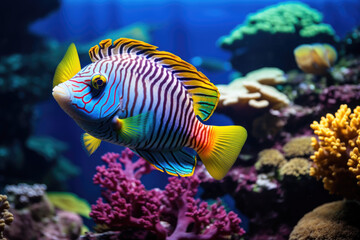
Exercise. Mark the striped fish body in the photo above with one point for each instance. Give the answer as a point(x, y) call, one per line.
point(135, 96)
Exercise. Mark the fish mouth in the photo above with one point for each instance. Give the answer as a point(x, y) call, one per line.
point(62, 95)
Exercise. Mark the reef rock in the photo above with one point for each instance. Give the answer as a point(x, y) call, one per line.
point(337, 220)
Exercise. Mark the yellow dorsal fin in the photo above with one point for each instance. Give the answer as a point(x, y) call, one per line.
point(90, 143)
point(68, 67)
point(204, 94)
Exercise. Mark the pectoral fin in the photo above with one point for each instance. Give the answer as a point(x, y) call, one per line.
point(90, 143)
point(134, 128)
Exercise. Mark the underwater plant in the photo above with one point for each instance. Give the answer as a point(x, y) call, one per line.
point(128, 209)
point(284, 26)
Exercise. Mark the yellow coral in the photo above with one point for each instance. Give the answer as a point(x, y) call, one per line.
point(270, 158)
point(6, 217)
point(296, 167)
point(298, 147)
point(69, 202)
point(337, 158)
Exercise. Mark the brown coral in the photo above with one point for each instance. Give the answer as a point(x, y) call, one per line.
point(298, 147)
point(337, 220)
point(296, 167)
point(6, 217)
point(337, 155)
point(269, 159)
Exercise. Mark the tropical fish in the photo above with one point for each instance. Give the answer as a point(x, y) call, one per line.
point(315, 58)
point(148, 100)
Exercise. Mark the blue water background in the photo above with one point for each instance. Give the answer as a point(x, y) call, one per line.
point(186, 28)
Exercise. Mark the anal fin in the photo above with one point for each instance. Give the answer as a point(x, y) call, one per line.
point(176, 163)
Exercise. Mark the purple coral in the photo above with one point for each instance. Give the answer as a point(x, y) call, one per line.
point(127, 204)
point(171, 214)
point(195, 220)
point(333, 96)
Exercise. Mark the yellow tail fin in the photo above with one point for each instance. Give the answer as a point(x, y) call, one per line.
point(222, 150)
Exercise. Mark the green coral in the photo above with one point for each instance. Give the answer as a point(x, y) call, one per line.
point(313, 30)
point(284, 26)
point(69, 202)
point(282, 18)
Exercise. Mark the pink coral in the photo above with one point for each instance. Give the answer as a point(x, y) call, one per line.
point(171, 214)
point(195, 219)
point(127, 204)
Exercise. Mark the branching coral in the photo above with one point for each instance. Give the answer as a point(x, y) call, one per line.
point(337, 154)
point(284, 26)
point(298, 147)
point(6, 217)
point(171, 214)
point(127, 204)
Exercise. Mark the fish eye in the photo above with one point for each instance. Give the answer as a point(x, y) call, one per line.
point(98, 81)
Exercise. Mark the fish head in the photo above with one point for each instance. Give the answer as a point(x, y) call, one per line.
point(89, 97)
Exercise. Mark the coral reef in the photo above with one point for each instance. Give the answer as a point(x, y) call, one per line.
point(284, 26)
point(337, 155)
point(172, 213)
point(332, 97)
point(36, 218)
point(23, 195)
point(298, 147)
point(254, 94)
point(282, 180)
point(315, 58)
point(336, 220)
point(255, 90)
point(269, 159)
point(296, 167)
point(6, 217)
